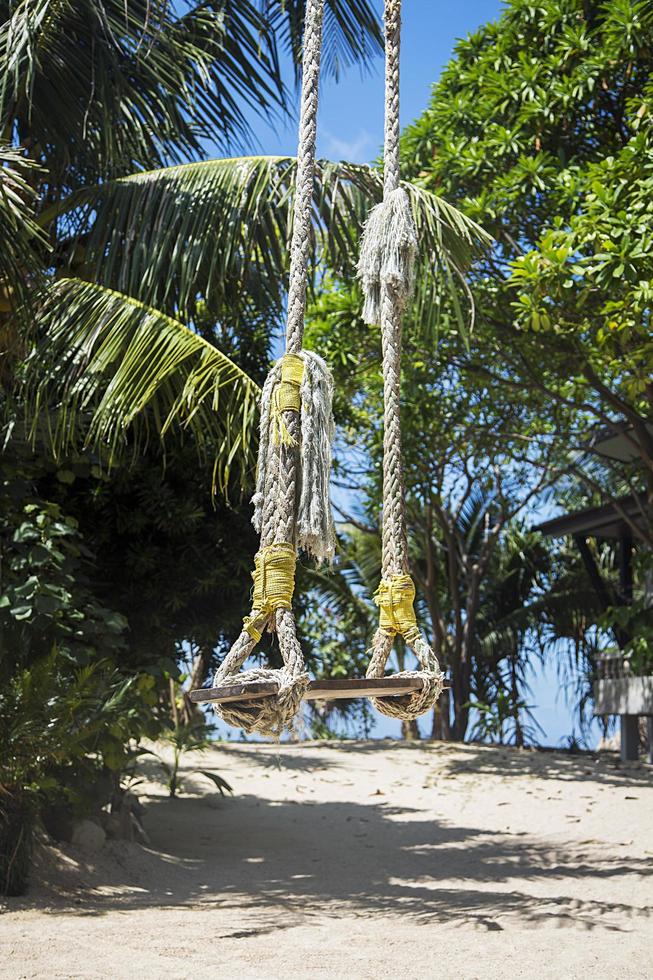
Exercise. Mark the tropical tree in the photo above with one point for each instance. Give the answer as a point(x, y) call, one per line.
point(138, 255)
point(92, 92)
point(540, 128)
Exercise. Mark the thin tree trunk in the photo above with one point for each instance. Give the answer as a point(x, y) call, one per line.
point(192, 712)
point(410, 730)
point(441, 728)
point(514, 693)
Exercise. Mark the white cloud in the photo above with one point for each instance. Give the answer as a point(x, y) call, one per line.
point(359, 149)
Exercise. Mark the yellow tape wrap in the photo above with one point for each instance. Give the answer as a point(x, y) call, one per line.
point(286, 397)
point(274, 585)
point(395, 597)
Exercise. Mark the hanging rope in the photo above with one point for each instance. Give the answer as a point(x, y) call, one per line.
point(386, 269)
point(291, 503)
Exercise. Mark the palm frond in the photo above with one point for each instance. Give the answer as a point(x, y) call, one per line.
point(117, 371)
point(337, 597)
point(218, 229)
point(113, 84)
point(21, 240)
point(352, 32)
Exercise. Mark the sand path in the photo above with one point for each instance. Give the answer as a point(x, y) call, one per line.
point(359, 860)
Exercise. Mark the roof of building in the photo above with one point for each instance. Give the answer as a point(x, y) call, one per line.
point(606, 521)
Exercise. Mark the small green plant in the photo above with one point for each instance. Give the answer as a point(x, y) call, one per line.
point(186, 736)
point(499, 721)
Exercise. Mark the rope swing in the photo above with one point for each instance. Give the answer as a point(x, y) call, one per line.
point(292, 509)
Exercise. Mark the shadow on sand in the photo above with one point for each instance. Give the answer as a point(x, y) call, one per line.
point(604, 768)
point(282, 863)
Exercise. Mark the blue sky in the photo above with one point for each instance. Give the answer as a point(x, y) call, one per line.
point(351, 111)
point(351, 128)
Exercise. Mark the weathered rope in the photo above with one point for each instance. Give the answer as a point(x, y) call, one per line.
point(300, 383)
point(386, 266)
point(316, 533)
point(277, 492)
point(387, 256)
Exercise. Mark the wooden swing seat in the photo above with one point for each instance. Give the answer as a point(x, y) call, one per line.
point(361, 687)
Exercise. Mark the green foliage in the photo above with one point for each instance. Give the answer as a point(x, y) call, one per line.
point(116, 88)
point(67, 709)
point(336, 628)
point(636, 622)
point(587, 284)
point(143, 371)
point(540, 128)
point(175, 562)
point(16, 838)
point(183, 738)
point(527, 104)
point(498, 721)
point(146, 234)
point(55, 630)
point(45, 602)
point(21, 239)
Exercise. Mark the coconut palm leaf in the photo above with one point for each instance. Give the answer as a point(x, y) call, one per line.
point(110, 83)
point(119, 371)
point(162, 243)
point(181, 234)
point(351, 32)
point(21, 240)
point(346, 590)
point(336, 596)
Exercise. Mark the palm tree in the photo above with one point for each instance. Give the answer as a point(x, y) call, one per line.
point(149, 267)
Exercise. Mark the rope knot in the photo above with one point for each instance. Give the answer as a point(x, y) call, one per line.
point(395, 597)
point(286, 397)
point(274, 585)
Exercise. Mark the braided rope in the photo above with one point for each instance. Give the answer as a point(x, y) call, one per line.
point(269, 716)
point(392, 284)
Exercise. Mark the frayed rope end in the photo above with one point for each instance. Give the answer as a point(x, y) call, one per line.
point(387, 254)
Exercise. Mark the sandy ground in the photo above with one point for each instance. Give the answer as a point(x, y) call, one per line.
point(357, 860)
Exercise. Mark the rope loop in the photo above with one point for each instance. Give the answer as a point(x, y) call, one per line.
point(395, 598)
